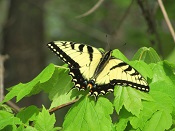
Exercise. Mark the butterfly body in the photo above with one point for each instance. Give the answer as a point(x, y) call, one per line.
point(95, 70)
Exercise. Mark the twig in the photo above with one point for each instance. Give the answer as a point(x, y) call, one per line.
point(122, 20)
point(2, 59)
point(148, 15)
point(92, 9)
point(167, 19)
point(13, 105)
point(63, 105)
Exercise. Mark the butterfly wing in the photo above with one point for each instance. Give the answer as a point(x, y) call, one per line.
point(82, 60)
point(117, 72)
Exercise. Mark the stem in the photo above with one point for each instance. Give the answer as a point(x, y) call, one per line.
point(92, 9)
point(63, 105)
point(170, 27)
point(2, 59)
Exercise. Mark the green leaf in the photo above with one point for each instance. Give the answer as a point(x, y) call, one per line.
point(59, 87)
point(163, 79)
point(129, 98)
point(148, 110)
point(88, 115)
point(28, 128)
point(28, 114)
point(160, 121)
point(148, 55)
point(32, 87)
point(122, 124)
point(45, 121)
point(7, 118)
point(119, 55)
point(161, 102)
point(6, 108)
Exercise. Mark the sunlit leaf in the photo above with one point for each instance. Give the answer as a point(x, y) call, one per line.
point(148, 55)
point(28, 114)
point(22, 90)
point(45, 121)
point(87, 115)
point(129, 98)
point(7, 118)
point(160, 121)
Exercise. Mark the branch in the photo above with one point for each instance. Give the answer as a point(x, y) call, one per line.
point(14, 106)
point(167, 19)
point(2, 59)
point(63, 105)
point(122, 20)
point(11, 104)
point(91, 10)
point(148, 15)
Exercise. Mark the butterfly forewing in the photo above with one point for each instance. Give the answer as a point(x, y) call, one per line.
point(82, 59)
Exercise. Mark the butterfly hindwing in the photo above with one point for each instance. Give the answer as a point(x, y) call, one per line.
point(117, 72)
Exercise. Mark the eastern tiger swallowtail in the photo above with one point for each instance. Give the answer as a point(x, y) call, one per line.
point(94, 69)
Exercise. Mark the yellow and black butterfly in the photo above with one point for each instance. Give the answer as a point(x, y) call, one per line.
point(97, 70)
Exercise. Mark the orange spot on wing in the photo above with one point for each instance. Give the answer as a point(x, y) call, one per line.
point(90, 86)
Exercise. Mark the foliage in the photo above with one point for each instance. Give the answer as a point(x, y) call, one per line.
point(134, 110)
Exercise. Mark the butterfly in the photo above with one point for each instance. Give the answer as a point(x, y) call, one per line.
point(96, 70)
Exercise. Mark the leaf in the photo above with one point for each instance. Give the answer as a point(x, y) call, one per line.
point(129, 98)
point(160, 121)
point(161, 102)
point(122, 124)
point(28, 114)
point(26, 128)
point(119, 55)
point(6, 108)
point(45, 121)
point(163, 79)
point(86, 115)
point(22, 90)
point(7, 118)
point(59, 90)
point(148, 110)
point(149, 55)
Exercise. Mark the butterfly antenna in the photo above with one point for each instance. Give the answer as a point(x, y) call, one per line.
point(107, 41)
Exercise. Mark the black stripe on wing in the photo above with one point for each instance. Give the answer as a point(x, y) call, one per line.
point(79, 81)
point(62, 55)
point(78, 48)
point(131, 84)
point(141, 85)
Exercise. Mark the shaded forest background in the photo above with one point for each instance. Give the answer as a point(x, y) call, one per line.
point(27, 26)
